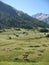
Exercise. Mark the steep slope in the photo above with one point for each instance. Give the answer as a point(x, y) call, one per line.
point(42, 17)
point(10, 17)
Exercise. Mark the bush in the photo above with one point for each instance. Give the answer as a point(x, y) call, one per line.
point(39, 54)
point(44, 30)
point(44, 45)
point(1, 31)
point(17, 35)
point(42, 51)
point(47, 35)
point(17, 48)
point(10, 38)
point(25, 33)
point(16, 59)
point(18, 29)
point(35, 46)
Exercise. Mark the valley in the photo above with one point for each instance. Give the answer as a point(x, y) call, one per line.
point(23, 45)
point(24, 39)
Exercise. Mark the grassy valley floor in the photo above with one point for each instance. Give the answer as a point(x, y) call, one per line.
point(23, 47)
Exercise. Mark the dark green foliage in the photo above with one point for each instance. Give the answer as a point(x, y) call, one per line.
point(39, 54)
point(25, 33)
point(17, 35)
point(16, 59)
point(10, 38)
point(42, 51)
point(47, 35)
point(1, 31)
point(44, 30)
point(35, 46)
point(18, 29)
point(17, 48)
point(44, 45)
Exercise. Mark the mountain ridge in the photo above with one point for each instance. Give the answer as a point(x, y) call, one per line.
point(11, 17)
point(42, 17)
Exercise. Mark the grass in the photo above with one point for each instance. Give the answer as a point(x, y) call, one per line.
point(27, 49)
point(24, 63)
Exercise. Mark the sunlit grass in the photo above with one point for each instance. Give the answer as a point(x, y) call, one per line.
point(34, 45)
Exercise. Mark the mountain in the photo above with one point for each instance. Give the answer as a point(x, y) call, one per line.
point(42, 17)
point(11, 17)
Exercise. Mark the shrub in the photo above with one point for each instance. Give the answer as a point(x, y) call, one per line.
point(40, 54)
point(31, 46)
point(16, 59)
point(44, 30)
point(47, 35)
point(23, 32)
point(17, 48)
point(42, 51)
point(44, 45)
point(17, 35)
point(18, 29)
point(35, 46)
point(10, 38)
point(1, 31)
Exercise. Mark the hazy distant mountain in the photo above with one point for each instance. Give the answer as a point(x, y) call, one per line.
point(42, 17)
point(11, 17)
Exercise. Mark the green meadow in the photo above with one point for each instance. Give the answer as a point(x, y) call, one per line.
point(23, 47)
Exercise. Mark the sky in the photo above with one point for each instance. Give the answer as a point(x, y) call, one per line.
point(30, 6)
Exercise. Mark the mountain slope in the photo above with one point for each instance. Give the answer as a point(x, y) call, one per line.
point(42, 17)
point(10, 17)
